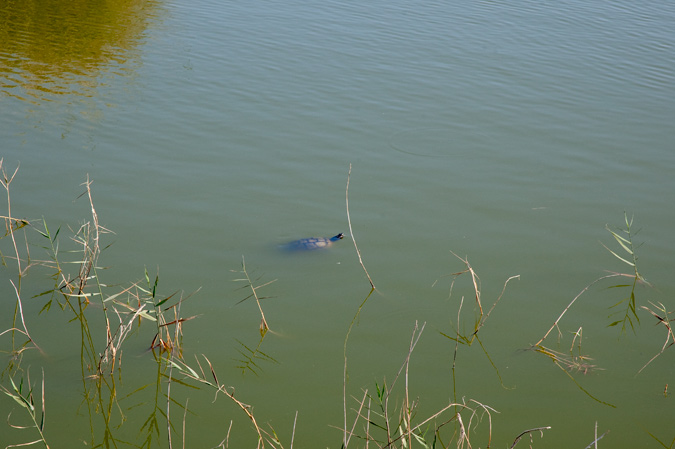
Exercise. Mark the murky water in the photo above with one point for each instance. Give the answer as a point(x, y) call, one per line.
point(509, 134)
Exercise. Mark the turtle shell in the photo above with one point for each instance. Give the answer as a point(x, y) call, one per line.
point(313, 243)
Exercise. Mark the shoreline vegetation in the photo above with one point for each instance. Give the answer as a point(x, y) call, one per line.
point(387, 415)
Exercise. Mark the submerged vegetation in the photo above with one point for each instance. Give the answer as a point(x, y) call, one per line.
point(389, 414)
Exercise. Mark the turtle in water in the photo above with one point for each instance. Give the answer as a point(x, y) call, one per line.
point(313, 243)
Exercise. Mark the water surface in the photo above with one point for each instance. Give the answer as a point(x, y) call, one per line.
point(507, 133)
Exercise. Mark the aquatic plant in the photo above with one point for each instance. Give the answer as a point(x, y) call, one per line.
point(106, 315)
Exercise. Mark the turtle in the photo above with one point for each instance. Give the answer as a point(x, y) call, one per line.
point(313, 243)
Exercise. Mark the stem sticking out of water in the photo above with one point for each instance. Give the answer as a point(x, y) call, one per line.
point(263, 322)
point(351, 232)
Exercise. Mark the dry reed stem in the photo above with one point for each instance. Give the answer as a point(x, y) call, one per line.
point(185, 409)
point(220, 388)
point(454, 357)
point(6, 181)
point(90, 244)
point(23, 320)
point(351, 232)
point(368, 423)
point(436, 415)
point(406, 406)
point(555, 323)
point(293, 434)
point(487, 409)
point(475, 279)
point(167, 343)
point(344, 373)
point(480, 321)
point(663, 318)
point(90, 251)
point(115, 341)
point(264, 327)
point(406, 429)
point(358, 415)
point(227, 437)
point(579, 362)
point(391, 440)
point(597, 438)
point(571, 361)
point(88, 236)
point(487, 315)
point(526, 432)
point(177, 334)
point(44, 408)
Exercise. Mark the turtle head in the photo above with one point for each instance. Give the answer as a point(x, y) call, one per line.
point(337, 237)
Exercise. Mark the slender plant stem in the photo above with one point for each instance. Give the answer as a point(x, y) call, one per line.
point(6, 181)
point(345, 439)
point(351, 232)
point(522, 434)
point(555, 324)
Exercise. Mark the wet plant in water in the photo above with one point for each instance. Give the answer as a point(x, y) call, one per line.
point(624, 237)
point(351, 231)
point(379, 420)
point(573, 360)
point(76, 282)
point(389, 415)
point(250, 358)
point(580, 363)
point(250, 284)
point(384, 424)
point(200, 376)
point(663, 317)
point(12, 225)
point(481, 317)
point(23, 394)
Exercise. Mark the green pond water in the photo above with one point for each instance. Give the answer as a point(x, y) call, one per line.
point(509, 134)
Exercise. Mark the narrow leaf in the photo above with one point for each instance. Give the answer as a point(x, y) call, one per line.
point(621, 241)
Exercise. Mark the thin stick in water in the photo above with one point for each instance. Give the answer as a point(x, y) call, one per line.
point(351, 232)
